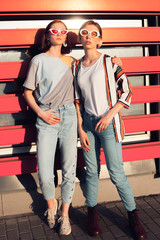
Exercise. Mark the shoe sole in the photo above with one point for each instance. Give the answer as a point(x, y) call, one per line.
point(65, 233)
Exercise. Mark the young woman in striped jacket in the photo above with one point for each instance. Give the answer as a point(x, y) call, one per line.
point(102, 89)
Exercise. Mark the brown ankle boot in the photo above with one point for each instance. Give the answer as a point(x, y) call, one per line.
point(93, 227)
point(135, 225)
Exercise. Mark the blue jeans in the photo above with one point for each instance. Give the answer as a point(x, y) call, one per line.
point(47, 137)
point(114, 162)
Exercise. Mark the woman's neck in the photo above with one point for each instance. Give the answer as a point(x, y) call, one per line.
point(90, 57)
point(54, 51)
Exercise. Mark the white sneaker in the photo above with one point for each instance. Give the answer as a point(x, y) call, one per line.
point(51, 214)
point(65, 226)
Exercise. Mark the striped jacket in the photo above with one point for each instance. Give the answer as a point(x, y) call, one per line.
point(118, 90)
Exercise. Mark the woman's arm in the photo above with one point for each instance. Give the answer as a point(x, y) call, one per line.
point(82, 134)
point(108, 117)
point(124, 87)
point(47, 116)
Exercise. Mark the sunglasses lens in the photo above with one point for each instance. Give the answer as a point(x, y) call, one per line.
point(94, 34)
point(84, 32)
point(63, 32)
point(54, 32)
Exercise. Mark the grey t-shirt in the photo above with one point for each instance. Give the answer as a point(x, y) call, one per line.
point(51, 79)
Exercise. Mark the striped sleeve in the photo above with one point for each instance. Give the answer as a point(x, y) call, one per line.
point(124, 88)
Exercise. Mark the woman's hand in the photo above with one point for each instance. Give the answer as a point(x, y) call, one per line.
point(84, 141)
point(108, 117)
point(104, 122)
point(49, 118)
point(117, 61)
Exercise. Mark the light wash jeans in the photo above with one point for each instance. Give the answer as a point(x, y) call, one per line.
point(47, 137)
point(113, 156)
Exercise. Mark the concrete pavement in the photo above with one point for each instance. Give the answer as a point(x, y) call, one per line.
point(112, 219)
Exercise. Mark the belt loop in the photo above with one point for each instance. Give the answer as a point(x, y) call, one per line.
point(50, 105)
point(65, 106)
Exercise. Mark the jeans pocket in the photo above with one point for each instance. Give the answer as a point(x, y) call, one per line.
point(40, 123)
point(71, 110)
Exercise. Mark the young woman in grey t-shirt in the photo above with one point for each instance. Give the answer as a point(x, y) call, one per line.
point(49, 92)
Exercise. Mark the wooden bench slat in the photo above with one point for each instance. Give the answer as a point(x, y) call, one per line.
point(132, 123)
point(141, 151)
point(136, 152)
point(28, 164)
point(111, 36)
point(146, 94)
point(12, 103)
point(131, 66)
point(72, 6)
point(20, 134)
point(142, 123)
point(141, 65)
point(131, 36)
point(16, 103)
point(18, 165)
point(17, 69)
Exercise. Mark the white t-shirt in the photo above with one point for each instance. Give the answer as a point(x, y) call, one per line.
point(91, 81)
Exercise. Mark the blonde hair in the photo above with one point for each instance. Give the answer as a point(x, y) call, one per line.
point(90, 22)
